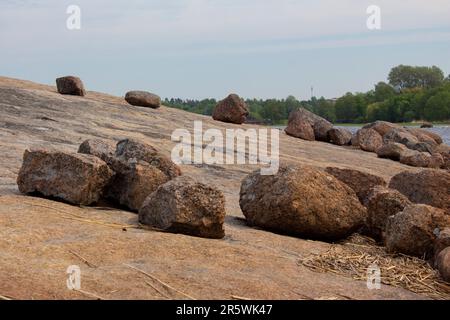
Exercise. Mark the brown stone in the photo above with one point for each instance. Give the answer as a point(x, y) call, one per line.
point(301, 201)
point(143, 99)
point(70, 85)
point(443, 264)
point(134, 182)
point(185, 206)
point(414, 230)
point(99, 148)
point(361, 182)
point(321, 128)
point(340, 136)
point(381, 206)
point(306, 125)
point(392, 150)
point(382, 127)
point(442, 241)
point(74, 178)
point(369, 140)
point(422, 159)
point(232, 109)
point(132, 149)
point(428, 186)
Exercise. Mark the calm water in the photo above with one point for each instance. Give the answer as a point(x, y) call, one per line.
point(443, 131)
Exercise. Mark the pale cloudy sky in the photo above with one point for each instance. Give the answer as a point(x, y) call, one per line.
point(208, 48)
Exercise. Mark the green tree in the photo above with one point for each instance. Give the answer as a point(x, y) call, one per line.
point(383, 91)
point(412, 77)
point(438, 107)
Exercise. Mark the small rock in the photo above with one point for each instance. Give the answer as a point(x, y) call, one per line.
point(381, 206)
point(143, 99)
point(185, 206)
point(75, 178)
point(413, 231)
point(70, 85)
point(392, 150)
point(428, 186)
point(232, 109)
point(369, 140)
point(340, 136)
point(302, 201)
point(361, 182)
point(98, 148)
point(426, 125)
point(131, 149)
point(443, 264)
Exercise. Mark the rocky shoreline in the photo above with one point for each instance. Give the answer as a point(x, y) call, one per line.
point(37, 115)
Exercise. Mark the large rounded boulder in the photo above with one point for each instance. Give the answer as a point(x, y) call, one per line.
point(306, 125)
point(340, 136)
point(301, 201)
point(369, 140)
point(414, 230)
point(428, 186)
point(443, 264)
point(183, 205)
point(232, 109)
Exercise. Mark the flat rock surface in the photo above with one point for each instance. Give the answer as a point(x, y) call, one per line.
point(40, 238)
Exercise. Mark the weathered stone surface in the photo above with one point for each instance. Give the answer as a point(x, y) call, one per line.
point(70, 85)
point(143, 99)
point(369, 140)
point(426, 125)
point(382, 127)
point(442, 241)
point(302, 201)
point(360, 182)
point(392, 150)
point(383, 204)
point(340, 136)
point(308, 126)
point(443, 264)
point(321, 128)
point(400, 135)
point(414, 230)
point(133, 182)
point(428, 186)
point(98, 148)
point(132, 149)
point(422, 159)
point(185, 206)
point(444, 151)
point(75, 178)
point(232, 109)
point(425, 135)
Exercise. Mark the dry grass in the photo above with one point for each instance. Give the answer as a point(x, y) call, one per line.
point(353, 256)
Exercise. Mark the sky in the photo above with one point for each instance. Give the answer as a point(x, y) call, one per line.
point(209, 48)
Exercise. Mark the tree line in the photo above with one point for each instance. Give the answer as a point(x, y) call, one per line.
point(411, 94)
